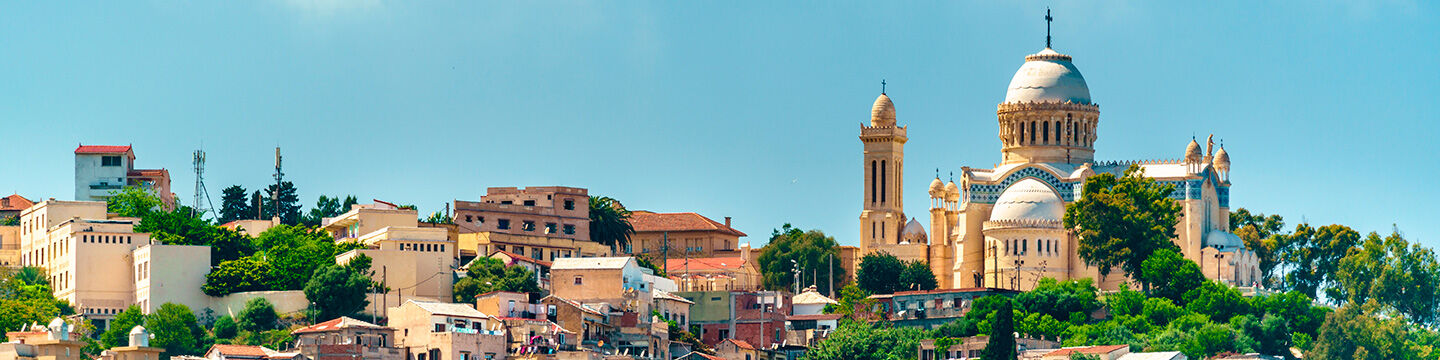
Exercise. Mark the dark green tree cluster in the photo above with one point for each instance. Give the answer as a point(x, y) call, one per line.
point(882, 273)
point(339, 290)
point(326, 207)
point(285, 258)
point(257, 324)
point(26, 297)
point(490, 274)
point(1123, 220)
point(812, 251)
point(174, 327)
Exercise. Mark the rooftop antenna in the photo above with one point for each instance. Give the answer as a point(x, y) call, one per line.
point(200, 191)
point(279, 177)
point(1048, 19)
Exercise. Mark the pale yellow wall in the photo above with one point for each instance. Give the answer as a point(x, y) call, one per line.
point(485, 242)
point(362, 220)
point(424, 276)
point(10, 246)
point(498, 303)
point(171, 274)
point(285, 302)
point(597, 285)
point(683, 243)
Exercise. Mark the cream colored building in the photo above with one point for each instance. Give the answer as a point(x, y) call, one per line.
point(537, 247)
point(181, 273)
point(10, 246)
point(414, 262)
point(250, 227)
point(103, 170)
point(716, 273)
point(447, 331)
point(678, 235)
point(1001, 226)
point(87, 256)
point(55, 341)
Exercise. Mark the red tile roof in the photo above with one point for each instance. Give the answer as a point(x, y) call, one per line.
point(15, 202)
point(705, 264)
point(741, 344)
point(518, 257)
point(814, 317)
point(1093, 350)
point(102, 149)
point(645, 221)
point(239, 350)
point(336, 324)
point(149, 172)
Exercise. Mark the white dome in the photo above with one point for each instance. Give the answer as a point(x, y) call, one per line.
point(1222, 160)
point(913, 233)
point(952, 192)
point(1048, 76)
point(1224, 240)
point(936, 188)
point(1192, 152)
point(1028, 200)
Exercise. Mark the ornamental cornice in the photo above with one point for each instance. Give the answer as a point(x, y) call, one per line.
point(1022, 224)
point(1004, 108)
point(1043, 57)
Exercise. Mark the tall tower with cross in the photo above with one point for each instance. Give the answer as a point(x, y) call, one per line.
point(883, 166)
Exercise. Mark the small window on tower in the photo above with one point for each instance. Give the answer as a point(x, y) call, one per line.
point(110, 161)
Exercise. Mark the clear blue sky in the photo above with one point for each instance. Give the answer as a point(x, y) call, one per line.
point(748, 110)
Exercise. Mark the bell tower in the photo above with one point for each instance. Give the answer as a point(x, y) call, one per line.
point(883, 167)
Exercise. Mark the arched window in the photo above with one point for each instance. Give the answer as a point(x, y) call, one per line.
point(1032, 133)
point(883, 181)
point(873, 174)
point(1046, 128)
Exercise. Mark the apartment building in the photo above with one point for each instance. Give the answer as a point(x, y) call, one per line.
point(414, 262)
point(550, 211)
point(103, 170)
point(679, 235)
point(447, 331)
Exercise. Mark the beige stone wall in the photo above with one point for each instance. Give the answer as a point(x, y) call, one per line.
point(684, 243)
point(286, 302)
point(171, 274)
point(549, 248)
point(10, 246)
point(595, 286)
point(539, 205)
point(418, 275)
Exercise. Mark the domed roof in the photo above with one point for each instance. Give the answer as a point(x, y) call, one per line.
point(1222, 159)
point(913, 233)
point(1048, 76)
point(138, 330)
point(952, 192)
point(883, 113)
point(936, 187)
point(1223, 240)
point(1028, 199)
point(1192, 152)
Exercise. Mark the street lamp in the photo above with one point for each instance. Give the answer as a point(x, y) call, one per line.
point(1218, 256)
point(1015, 280)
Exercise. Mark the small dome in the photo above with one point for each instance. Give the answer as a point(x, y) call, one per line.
point(1222, 160)
point(952, 192)
point(914, 233)
point(1223, 240)
point(1048, 76)
point(883, 113)
point(138, 330)
point(936, 187)
point(1028, 199)
point(1192, 152)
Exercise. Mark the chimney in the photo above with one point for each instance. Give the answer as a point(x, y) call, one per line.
point(727, 221)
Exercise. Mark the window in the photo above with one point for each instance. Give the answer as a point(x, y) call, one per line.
point(549, 228)
point(519, 251)
point(529, 202)
point(110, 161)
point(724, 334)
point(527, 225)
point(507, 202)
point(439, 327)
point(569, 204)
point(468, 218)
point(503, 224)
point(464, 355)
point(569, 229)
point(579, 280)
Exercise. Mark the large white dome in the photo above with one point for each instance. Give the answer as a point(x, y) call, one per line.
point(1028, 200)
point(1048, 76)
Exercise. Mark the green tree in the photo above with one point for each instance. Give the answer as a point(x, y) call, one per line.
point(851, 298)
point(610, 224)
point(132, 201)
point(175, 329)
point(10, 221)
point(182, 227)
point(1161, 311)
point(438, 218)
point(917, 276)
point(258, 315)
point(1394, 272)
point(224, 328)
point(810, 250)
point(249, 273)
point(25, 297)
point(1061, 299)
point(1218, 300)
point(1170, 275)
point(119, 332)
point(289, 203)
point(235, 205)
point(339, 290)
point(294, 253)
point(1311, 256)
point(858, 340)
point(1261, 234)
point(490, 274)
point(1358, 331)
point(646, 262)
point(1301, 316)
point(1123, 220)
point(1125, 301)
point(325, 207)
point(1002, 338)
point(879, 273)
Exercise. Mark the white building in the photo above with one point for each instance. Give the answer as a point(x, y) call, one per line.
point(102, 170)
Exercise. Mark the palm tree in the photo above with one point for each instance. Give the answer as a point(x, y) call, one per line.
point(31, 275)
point(610, 223)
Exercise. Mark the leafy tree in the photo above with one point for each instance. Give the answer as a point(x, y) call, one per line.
point(1218, 300)
point(225, 327)
point(646, 262)
point(235, 205)
point(788, 247)
point(339, 290)
point(878, 273)
point(349, 202)
point(175, 329)
point(119, 332)
point(1311, 256)
point(250, 273)
point(258, 315)
point(610, 224)
point(1394, 272)
point(859, 340)
point(1170, 275)
point(851, 298)
point(1296, 308)
point(10, 221)
point(132, 201)
point(1002, 340)
point(25, 297)
point(1161, 311)
point(325, 207)
point(1261, 234)
point(294, 254)
point(289, 203)
point(1358, 331)
point(1270, 333)
point(490, 274)
point(439, 218)
point(1125, 301)
point(1123, 220)
point(1060, 299)
point(1040, 325)
point(182, 227)
point(917, 276)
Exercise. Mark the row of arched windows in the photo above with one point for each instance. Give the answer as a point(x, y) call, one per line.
point(422, 247)
point(1018, 247)
point(1050, 132)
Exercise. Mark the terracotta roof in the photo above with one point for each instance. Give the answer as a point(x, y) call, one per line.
point(741, 344)
point(814, 317)
point(239, 350)
point(15, 202)
point(148, 172)
point(102, 149)
point(518, 257)
point(704, 264)
point(342, 322)
point(1093, 350)
point(645, 221)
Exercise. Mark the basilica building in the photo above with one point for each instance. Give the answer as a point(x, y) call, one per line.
point(1002, 227)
